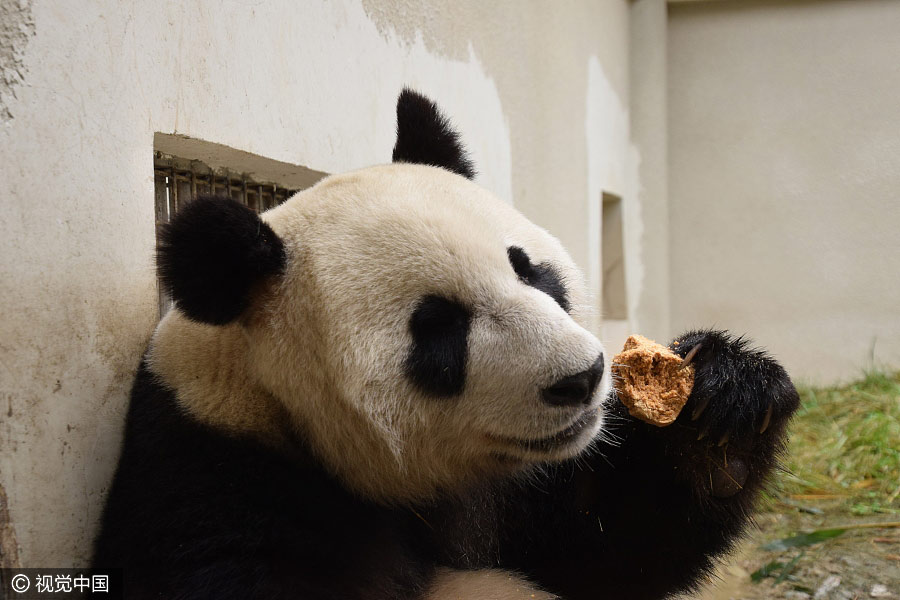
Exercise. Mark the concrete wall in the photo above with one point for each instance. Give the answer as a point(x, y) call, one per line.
point(784, 178)
point(648, 108)
point(539, 90)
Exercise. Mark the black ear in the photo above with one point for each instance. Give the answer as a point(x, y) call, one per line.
point(424, 136)
point(211, 256)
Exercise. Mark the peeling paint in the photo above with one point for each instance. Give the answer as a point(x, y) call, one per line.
point(16, 27)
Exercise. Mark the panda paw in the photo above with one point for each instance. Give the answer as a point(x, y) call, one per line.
point(741, 402)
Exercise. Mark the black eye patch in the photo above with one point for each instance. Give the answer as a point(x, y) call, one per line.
point(437, 359)
point(543, 277)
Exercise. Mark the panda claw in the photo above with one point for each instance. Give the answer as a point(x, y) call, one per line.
point(767, 419)
point(724, 440)
point(690, 356)
point(699, 409)
point(702, 434)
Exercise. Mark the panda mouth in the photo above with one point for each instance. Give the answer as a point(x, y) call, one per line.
point(563, 438)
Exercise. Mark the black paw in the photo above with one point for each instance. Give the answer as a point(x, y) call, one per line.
point(735, 419)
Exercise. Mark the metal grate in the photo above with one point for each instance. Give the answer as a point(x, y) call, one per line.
point(178, 181)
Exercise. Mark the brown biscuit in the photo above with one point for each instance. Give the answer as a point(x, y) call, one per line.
point(649, 382)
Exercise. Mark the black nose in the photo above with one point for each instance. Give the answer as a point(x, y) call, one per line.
point(575, 389)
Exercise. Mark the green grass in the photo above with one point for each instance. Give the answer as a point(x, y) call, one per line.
point(845, 446)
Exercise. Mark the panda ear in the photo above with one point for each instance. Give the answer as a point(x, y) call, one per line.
point(212, 255)
point(424, 136)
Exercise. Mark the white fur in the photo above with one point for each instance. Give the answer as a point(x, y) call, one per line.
point(326, 343)
point(483, 585)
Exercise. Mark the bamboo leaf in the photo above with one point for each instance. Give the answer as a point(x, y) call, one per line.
point(788, 569)
point(804, 539)
point(766, 571)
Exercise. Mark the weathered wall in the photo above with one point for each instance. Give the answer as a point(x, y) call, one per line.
point(783, 154)
point(16, 26)
point(540, 92)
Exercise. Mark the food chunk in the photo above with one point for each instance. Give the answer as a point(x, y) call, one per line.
point(650, 382)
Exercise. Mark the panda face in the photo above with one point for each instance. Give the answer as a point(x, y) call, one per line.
point(413, 332)
point(428, 326)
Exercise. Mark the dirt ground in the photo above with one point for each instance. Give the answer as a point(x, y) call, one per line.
point(863, 562)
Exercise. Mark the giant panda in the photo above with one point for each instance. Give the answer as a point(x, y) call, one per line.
point(384, 389)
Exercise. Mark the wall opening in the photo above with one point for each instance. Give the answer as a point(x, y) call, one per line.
point(185, 168)
point(613, 304)
point(614, 328)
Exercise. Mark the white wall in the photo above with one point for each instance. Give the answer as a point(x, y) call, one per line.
point(649, 130)
point(538, 91)
point(784, 146)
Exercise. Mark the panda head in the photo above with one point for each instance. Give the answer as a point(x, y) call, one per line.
point(417, 333)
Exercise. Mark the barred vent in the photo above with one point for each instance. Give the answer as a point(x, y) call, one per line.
point(177, 181)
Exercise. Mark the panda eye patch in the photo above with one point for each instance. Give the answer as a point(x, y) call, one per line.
point(436, 362)
point(543, 276)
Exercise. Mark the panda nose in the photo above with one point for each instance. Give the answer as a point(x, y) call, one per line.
point(575, 389)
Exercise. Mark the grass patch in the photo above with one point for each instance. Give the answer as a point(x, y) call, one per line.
point(845, 445)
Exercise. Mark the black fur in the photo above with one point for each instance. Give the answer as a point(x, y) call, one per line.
point(195, 513)
point(437, 358)
point(644, 516)
point(424, 136)
point(212, 255)
point(543, 277)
